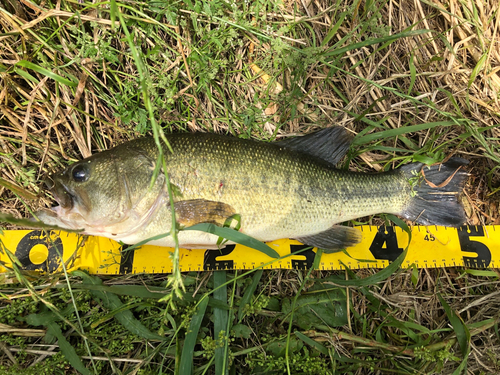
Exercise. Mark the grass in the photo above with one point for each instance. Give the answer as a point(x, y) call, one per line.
point(414, 81)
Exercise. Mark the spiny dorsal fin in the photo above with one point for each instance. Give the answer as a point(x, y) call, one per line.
point(334, 239)
point(330, 144)
point(195, 211)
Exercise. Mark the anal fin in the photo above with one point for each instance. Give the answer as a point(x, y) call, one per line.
point(334, 239)
point(195, 211)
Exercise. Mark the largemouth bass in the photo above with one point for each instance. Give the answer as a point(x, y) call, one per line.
point(287, 189)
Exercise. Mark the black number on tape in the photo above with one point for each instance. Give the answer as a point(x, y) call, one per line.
point(483, 258)
point(127, 260)
point(308, 254)
point(52, 243)
point(210, 262)
point(429, 237)
point(385, 235)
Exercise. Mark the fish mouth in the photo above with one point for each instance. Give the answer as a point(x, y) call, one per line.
point(60, 193)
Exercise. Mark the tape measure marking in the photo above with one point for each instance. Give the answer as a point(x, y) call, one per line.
point(52, 243)
point(474, 247)
point(127, 260)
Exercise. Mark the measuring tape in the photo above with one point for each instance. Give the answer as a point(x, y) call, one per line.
point(37, 250)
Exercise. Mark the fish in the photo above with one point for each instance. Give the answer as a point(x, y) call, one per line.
point(284, 189)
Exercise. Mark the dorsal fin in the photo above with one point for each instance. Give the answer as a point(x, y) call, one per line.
point(330, 144)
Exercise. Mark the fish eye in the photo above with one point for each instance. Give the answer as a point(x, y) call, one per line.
point(80, 173)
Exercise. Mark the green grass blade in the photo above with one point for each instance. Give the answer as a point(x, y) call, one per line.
point(186, 366)
point(48, 320)
point(425, 159)
point(358, 141)
point(247, 296)
point(481, 273)
point(7, 218)
point(369, 42)
point(113, 303)
point(309, 341)
point(400, 223)
point(317, 259)
point(462, 332)
point(477, 69)
point(17, 190)
point(127, 290)
point(46, 72)
point(67, 349)
point(220, 323)
point(23, 73)
point(147, 292)
point(175, 279)
point(333, 31)
point(235, 236)
point(112, 13)
point(378, 277)
point(111, 314)
point(413, 74)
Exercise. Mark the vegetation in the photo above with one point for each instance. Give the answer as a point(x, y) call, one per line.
point(412, 80)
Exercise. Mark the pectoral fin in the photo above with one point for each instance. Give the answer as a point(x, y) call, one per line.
point(334, 239)
point(195, 211)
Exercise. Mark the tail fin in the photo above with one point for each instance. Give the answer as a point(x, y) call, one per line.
point(435, 193)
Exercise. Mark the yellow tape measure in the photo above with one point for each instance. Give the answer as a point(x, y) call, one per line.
point(36, 250)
